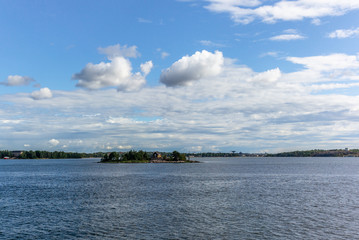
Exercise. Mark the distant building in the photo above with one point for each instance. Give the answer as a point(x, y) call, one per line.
point(16, 153)
point(156, 156)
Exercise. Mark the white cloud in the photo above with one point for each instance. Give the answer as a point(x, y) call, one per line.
point(290, 31)
point(209, 43)
point(116, 73)
point(120, 51)
point(191, 68)
point(289, 34)
point(164, 55)
point(287, 37)
point(269, 76)
point(143, 20)
point(316, 22)
point(247, 11)
point(16, 80)
point(54, 142)
point(330, 86)
point(270, 54)
point(344, 33)
point(146, 67)
point(124, 147)
point(327, 62)
point(327, 68)
point(43, 93)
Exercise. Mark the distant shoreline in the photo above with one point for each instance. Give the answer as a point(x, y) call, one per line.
point(10, 155)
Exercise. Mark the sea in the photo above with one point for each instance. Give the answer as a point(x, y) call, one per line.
point(219, 198)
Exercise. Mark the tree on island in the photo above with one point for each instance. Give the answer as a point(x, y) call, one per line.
point(178, 156)
point(144, 157)
point(113, 156)
point(135, 156)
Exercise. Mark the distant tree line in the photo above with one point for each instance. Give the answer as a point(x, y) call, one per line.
point(49, 155)
point(319, 153)
point(5, 153)
point(212, 154)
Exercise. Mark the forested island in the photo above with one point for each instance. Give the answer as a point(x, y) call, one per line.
point(145, 157)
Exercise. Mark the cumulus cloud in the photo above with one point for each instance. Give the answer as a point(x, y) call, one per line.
point(344, 33)
point(54, 142)
point(117, 72)
point(43, 93)
point(191, 68)
point(247, 11)
point(16, 80)
point(120, 51)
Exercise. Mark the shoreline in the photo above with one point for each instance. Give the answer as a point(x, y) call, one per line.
point(150, 161)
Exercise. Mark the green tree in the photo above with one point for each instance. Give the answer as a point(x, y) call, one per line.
point(114, 156)
point(104, 158)
point(178, 156)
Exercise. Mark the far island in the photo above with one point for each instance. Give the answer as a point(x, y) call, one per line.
point(145, 157)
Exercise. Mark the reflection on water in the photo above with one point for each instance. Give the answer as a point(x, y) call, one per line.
point(221, 198)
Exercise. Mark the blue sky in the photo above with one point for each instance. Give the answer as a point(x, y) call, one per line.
point(190, 75)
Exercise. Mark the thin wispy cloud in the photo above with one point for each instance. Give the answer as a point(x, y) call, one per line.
point(163, 54)
point(270, 54)
point(209, 43)
point(143, 20)
point(316, 21)
point(288, 35)
point(244, 11)
point(119, 51)
point(344, 33)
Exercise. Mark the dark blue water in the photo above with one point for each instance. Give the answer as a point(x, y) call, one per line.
point(221, 198)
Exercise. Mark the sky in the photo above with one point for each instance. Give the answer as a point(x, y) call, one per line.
point(187, 75)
